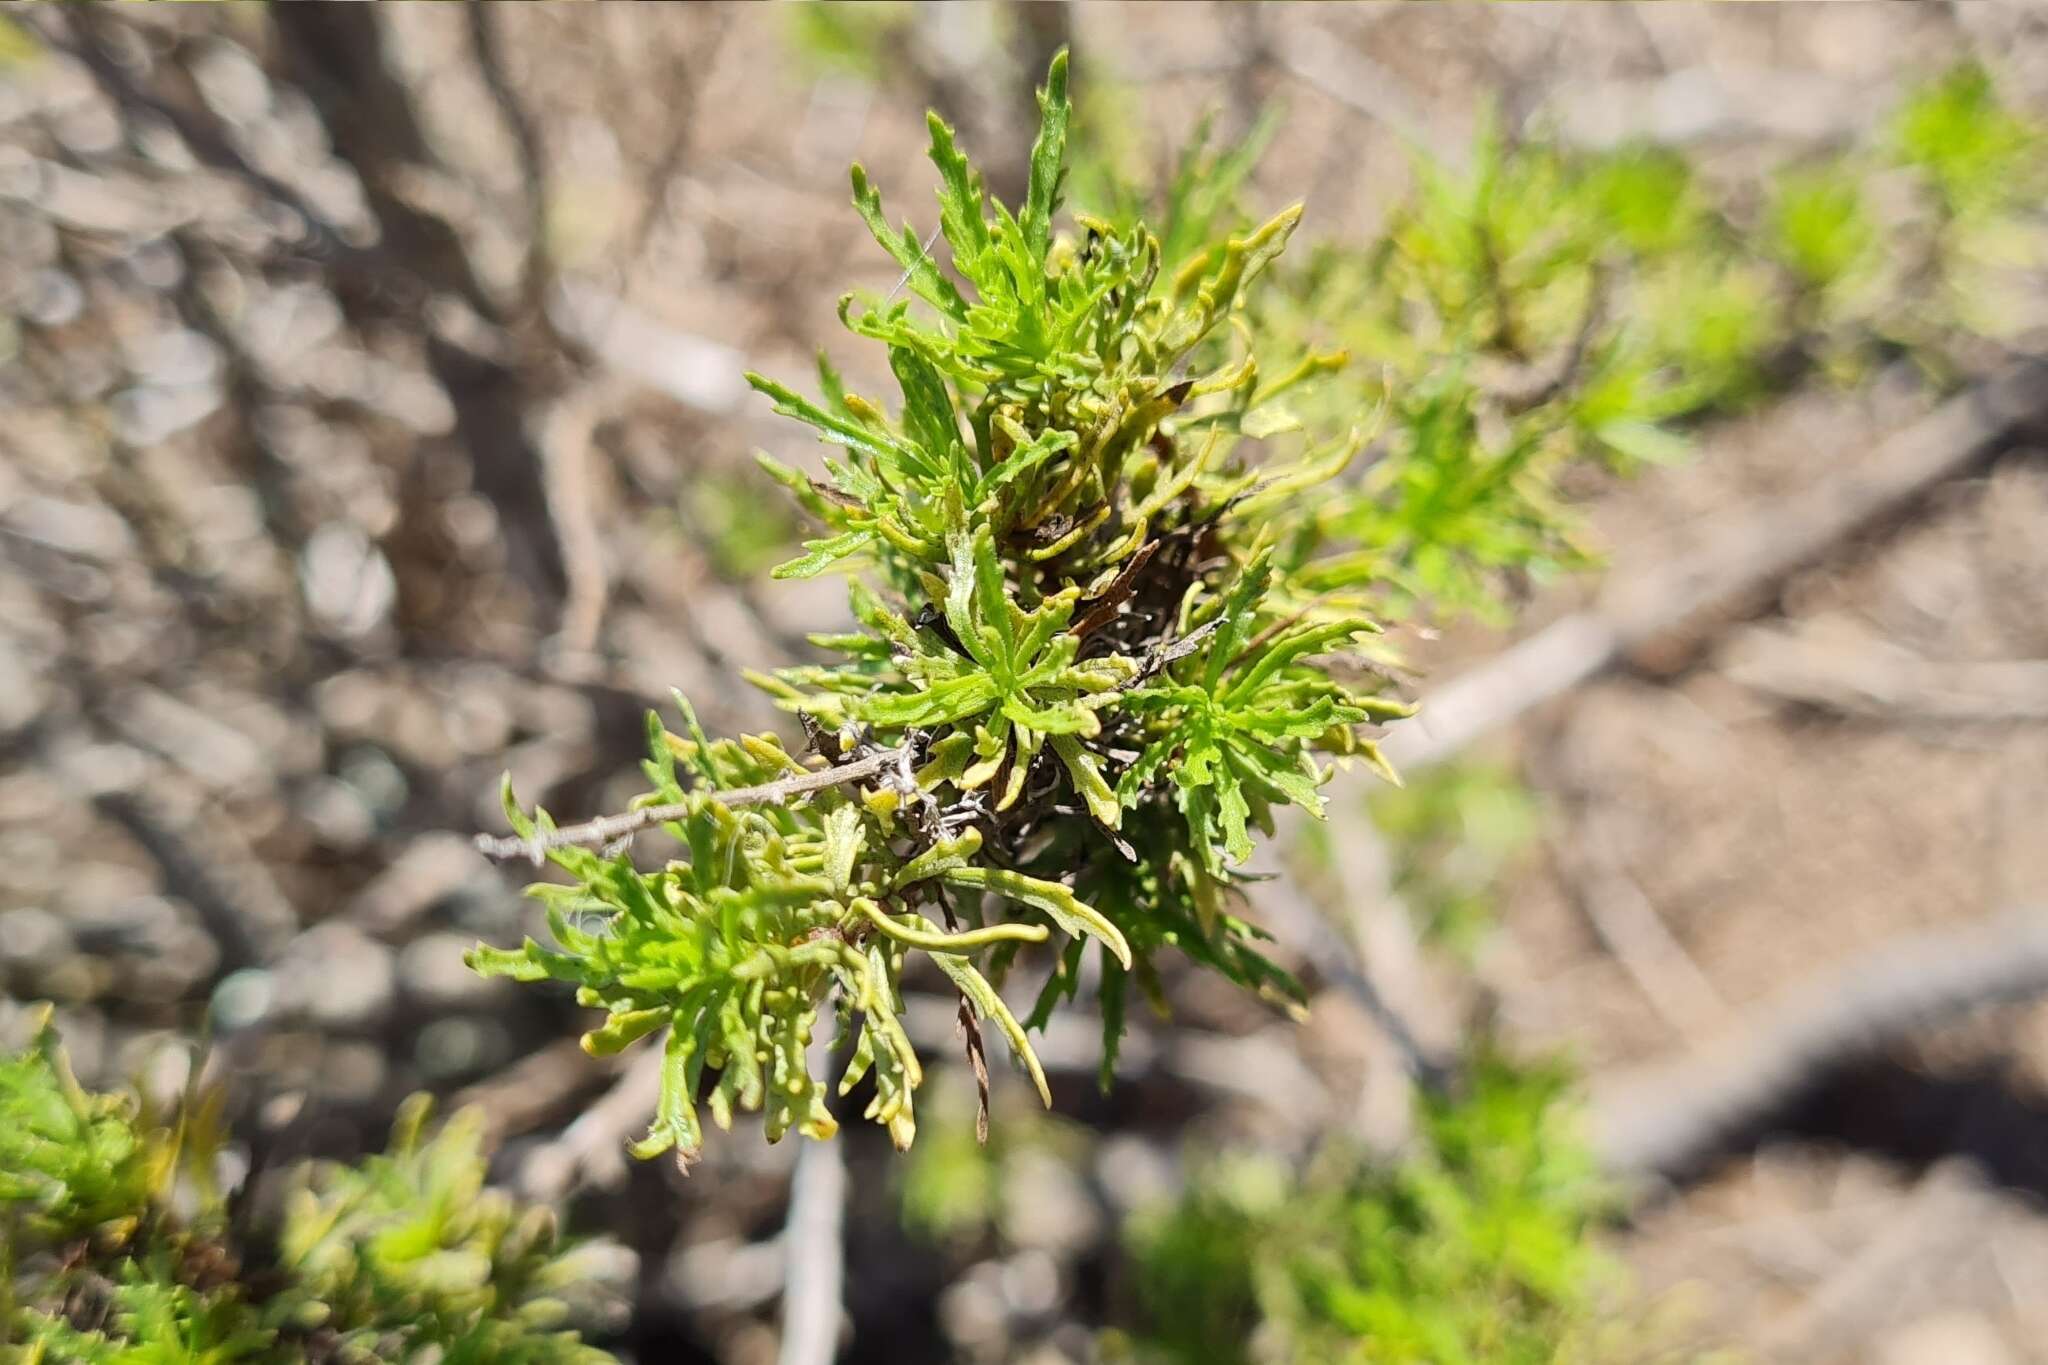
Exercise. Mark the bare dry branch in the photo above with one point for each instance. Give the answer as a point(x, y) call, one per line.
point(1664, 1119)
point(592, 1150)
point(1630, 928)
point(814, 1243)
point(521, 1097)
point(1589, 856)
point(611, 829)
point(564, 442)
point(1858, 674)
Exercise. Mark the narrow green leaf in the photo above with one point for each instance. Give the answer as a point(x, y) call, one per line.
point(1048, 162)
point(1088, 781)
point(1074, 918)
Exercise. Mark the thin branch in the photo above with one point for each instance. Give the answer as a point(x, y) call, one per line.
point(1665, 1119)
point(523, 1096)
point(1631, 931)
point(1339, 961)
point(813, 1295)
point(565, 435)
point(1854, 673)
point(1319, 58)
point(539, 272)
point(1589, 858)
point(592, 1150)
point(611, 829)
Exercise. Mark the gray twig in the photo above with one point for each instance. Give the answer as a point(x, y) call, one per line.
point(1843, 669)
point(593, 1148)
point(533, 168)
point(1664, 1119)
point(1589, 857)
point(612, 829)
point(814, 1243)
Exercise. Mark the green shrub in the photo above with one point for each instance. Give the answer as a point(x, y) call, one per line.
point(117, 1248)
point(1473, 1249)
point(1077, 685)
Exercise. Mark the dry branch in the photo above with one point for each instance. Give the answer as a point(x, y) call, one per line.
point(1857, 674)
point(1631, 930)
point(525, 1094)
point(1590, 856)
point(1749, 556)
point(814, 1243)
point(1342, 73)
point(566, 430)
point(610, 829)
point(1664, 1119)
point(592, 1150)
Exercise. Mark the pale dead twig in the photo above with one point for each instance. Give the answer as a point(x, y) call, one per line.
point(1339, 960)
point(1663, 1118)
point(592, 1150)
point(1630, 929)
point(522, 1096)
point(813, 1243)
point(564, 441)
point(1857, 674)
point(1590, 859)
point(611, 829)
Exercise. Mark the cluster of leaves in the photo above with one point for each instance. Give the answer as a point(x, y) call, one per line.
point(117, 1247)
point(1473, 1248)
point(1071, 648)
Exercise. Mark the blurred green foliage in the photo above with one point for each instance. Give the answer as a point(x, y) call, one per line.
point(118, 1248)
point(725, 516)
point(1532, 306)
point(1473, 1249)
point(1454, 834)
point(854, 39)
